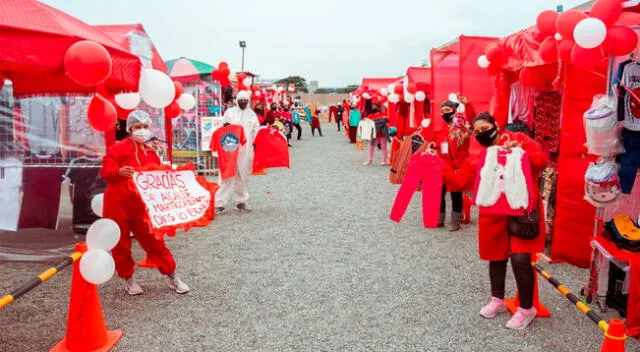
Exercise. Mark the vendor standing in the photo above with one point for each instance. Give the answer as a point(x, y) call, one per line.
point(240, 115)
point(123, 205)
point(495, 243)
point(454, 150)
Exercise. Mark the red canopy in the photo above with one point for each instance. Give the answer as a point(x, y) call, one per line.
point(419, 75)
point(127, 34)
point(377, 83)
point(33, 40)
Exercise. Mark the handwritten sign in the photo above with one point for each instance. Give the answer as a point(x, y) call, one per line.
point(174, 198)
point(208, 125)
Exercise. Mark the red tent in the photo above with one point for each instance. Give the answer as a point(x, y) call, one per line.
point(377, 83)
point(575, 218)
point(419, 76)
point(33, 40)
point(454, 69)
point(133, 38)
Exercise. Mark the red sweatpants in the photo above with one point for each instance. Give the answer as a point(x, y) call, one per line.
point(156, 250)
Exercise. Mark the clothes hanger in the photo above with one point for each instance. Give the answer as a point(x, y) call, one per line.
point(505, 145)
point(430, 149)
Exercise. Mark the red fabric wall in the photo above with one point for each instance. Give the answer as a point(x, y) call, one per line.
point(445, 79)
point(575, 218)
point(475, 82)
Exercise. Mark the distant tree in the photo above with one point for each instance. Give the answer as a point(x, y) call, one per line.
point(348, 89)
point(299, 82)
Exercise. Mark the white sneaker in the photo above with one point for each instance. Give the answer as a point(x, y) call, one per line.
point(178, 285)
point(132, 287)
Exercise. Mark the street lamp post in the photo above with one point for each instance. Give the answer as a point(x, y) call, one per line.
point(243, 45)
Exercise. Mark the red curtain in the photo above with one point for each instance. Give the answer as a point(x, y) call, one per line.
point(475, 81)
point(445, 79)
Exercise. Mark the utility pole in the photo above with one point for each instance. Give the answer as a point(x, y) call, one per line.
point(243, 45)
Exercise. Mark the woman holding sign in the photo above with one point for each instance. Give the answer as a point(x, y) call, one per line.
point(122, 205)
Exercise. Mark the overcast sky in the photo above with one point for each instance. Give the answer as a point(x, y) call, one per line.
point(336, 42)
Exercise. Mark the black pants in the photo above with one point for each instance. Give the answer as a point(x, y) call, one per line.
point(338, 122)
point(522, 271)
point(299, 128)
point(456, 201)
point(313, 131)
point(353, 133)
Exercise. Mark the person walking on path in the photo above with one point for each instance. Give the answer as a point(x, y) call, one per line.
point(295, 119)
point(495, 243)
point(339, 113)
point(122, 205)
point(239, 115)
point(354, 121)
point(380, 134)
point(315, 122)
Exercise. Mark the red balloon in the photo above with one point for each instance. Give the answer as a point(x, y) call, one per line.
point(398, 89)
point(241, 77)
point(546, 22)
point(222, 65)
point(179, 89)
point(216, 74)
point(608, 11)
point(101, 114)
point(172, 110)
point(567, 22)
point(225, 72)
point(620, 41)
point(241, 86)
point(122, 114)
point(411, 88)
point(565, 47)
point(494, 54)
point(549, 50)
point(87, 63)
point(587, 59)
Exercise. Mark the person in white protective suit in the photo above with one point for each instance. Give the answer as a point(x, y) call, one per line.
point(239, 115)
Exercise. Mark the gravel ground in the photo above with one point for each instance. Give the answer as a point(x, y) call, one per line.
point(316, 266)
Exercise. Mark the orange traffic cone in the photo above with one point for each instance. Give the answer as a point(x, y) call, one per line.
point(542, 311)
point(260, 172)
point(86, 330)
point(614, 337)
point(147, 263)
point(466, 209)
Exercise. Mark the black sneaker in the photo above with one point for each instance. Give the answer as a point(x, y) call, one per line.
point(242, 207)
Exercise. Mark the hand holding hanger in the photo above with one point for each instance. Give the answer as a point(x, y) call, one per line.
point(508, 143)
point(430, 149)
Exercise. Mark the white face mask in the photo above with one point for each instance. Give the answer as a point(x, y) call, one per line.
point(141, 135)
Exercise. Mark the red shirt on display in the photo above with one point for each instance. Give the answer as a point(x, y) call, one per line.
point(286, 115)
point(226, 142)
point(271, 149)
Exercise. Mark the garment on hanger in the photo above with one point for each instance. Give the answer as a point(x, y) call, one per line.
point(424, 170)
point(631, 80)
point(504, 184)
point(41, 197)
point(10, 184)
point(86, 183)
point(547, 120)
point(408, 148)
point(271, 149)
point(521, 104)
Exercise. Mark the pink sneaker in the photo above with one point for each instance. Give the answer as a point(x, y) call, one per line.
point(493, 308)
point(367, 163)
point(521, 319)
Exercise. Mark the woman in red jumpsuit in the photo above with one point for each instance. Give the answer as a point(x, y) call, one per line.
point(123, 206)
point(495, 244)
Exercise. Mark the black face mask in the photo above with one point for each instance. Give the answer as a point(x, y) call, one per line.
point(448, 116)
point(273, 108)
point(259, 111)
point(487, 137)
point(375, 110)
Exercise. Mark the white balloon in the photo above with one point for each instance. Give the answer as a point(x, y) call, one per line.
point(453, 97)
point(426, 123)
point(409, 98)
point(97, 204)
point(394, 98)
point(97, 266)
point(366, 96)
point(558, 37)
point(590, 32)
point(483, 61)
point(128, 101)
point(247, 81)
point(384, 91)
point(186, 101)
point(391, 88)
point(156, 88)
point(420, 96)
point(103, 234)
point(461, 109)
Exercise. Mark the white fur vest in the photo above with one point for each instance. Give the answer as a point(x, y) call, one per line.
point(515, 183)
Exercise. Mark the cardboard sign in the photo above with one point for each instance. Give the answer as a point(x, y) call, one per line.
point(208, 125)
point(174, 198)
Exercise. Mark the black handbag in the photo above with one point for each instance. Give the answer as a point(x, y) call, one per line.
point(525, 226)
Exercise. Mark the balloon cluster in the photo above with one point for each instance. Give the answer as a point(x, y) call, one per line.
point(97, 265)
point(244, 82)
point(221, 74)
point(585, 40)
